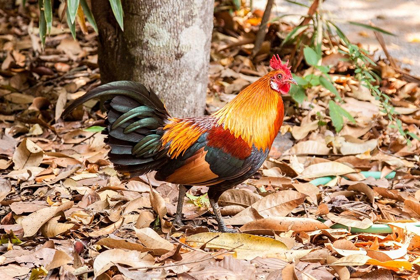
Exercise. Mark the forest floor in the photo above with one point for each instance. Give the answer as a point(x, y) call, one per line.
point(325, 205)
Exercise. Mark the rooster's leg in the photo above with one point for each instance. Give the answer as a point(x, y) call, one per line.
point(181, 195)
point(214, 194)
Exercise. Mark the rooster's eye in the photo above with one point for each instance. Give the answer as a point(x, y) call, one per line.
point(280, 76)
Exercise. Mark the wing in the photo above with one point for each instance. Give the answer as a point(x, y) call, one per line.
point(217, 156)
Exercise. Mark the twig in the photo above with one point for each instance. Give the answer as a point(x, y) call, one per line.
point(407, 76)
point(184, 263)
point(311, 12)
point(185, 245)
point(381, 41)
point(263, 27)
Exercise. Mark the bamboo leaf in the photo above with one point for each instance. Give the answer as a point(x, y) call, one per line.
point(297, 3)
point(72, 26)
point(414, 136)
point(89, 15)
point(42, 23)
point(73, 5)
point(118, 12)
point(296, 31)
point(340, 33)
point(328, 85)
point(374, 28)
point(48, 14)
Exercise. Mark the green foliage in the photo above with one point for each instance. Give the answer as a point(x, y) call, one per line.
point(74, 8)
point(48, 14)
point(10, 238)
point(71, 25)
point(374, 28)
point(311, 57)
point(199, 201)
point(297, 92)
point(89, 14)
point(118, 12)
point(337, 114)
point(369, 79)
point(319, 28)
point(310, 38)
point(42, 22)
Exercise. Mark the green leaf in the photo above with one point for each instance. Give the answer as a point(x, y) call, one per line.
point(237, 4)
point(322, 68)
point(48, 14)
point(374, 28)
point(336, 117)
point(42, 23)
point(311, 57)
point(399, 127)
point(414, 136)
point(340, 33)
point(118, 11)
point(301, 81)
point(88, 14)
point(297, 93)
point(296, 31)
point(328, 85)
point(94, 129)
point(72, 26)
point(73, 5)
point(337, 114)
point(297, 3)
point(312, 79)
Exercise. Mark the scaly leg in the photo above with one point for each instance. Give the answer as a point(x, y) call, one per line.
point(213, 198)
point(181, 195)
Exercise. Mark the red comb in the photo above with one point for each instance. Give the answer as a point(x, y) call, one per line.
point(276, 64)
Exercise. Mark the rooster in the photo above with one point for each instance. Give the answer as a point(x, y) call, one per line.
point(220, 150)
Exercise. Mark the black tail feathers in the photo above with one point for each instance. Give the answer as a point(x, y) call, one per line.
point(136, 117)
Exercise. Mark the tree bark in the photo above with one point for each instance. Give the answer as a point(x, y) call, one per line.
point(165, 45)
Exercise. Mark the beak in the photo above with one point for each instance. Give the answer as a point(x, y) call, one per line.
point(292, 81)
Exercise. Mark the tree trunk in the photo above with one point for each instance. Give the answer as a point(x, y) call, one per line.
point(165, 45)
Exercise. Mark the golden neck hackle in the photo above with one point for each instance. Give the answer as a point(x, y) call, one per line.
point(255, 115)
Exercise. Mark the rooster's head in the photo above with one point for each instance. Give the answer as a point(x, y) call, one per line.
point(281, 78)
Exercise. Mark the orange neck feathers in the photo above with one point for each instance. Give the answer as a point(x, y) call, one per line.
point(256, 114)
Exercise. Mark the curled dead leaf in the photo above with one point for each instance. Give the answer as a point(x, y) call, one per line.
point(132, 258)
point(5, 188)
point(53, 228)
point(32, 223)
point(27, 154)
